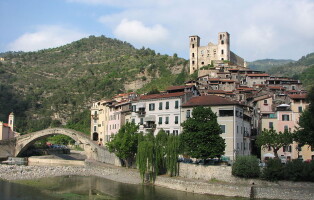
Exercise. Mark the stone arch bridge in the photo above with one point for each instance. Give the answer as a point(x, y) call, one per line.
point(16, 146)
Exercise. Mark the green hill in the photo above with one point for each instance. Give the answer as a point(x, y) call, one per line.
point(303, 69)
point(51, 86)
point(267, 64)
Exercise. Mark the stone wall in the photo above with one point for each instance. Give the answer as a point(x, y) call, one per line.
point(6, 149)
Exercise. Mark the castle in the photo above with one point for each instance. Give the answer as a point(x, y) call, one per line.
point(213, 54)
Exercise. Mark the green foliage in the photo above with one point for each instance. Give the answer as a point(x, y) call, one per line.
point(270, 138)
point(172, 152)
point(295, 170)
point(267, 64)
point(201, 135)
point(246, 167)
point(61, 139)
point(146, 158)
point(274, 170)
point(79, 122)
point(156, 155)
point(305, 131)
point(124, 143)
point(66, 79)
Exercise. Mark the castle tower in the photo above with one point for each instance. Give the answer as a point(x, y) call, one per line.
point(11, 121)
point(194, 44)
point(223, 46)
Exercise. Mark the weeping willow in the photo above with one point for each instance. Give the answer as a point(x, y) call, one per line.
point(155, 155)
point(172, 152)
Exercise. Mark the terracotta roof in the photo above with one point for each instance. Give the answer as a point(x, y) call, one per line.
point(160, 96)
point(297, 96)
point(245, 88)
point(255, 75)
point(6, 125)
point(209, 100)
point(276, 87)
point(216, 91)
point(179, 87)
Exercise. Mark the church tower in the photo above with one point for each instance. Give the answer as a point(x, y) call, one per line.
point(11, 121)
point(223, 46)
point(194, 44)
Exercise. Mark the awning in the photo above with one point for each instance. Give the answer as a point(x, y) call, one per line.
point(141, 105)
point(150, 118)
point(270, 155)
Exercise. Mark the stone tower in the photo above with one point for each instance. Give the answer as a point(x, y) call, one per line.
point(11, 121)
point(223, 46)
point(194, 45)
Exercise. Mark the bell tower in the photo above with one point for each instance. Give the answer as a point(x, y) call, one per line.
point(11, 121)
point(223, 46)
point(194, 45)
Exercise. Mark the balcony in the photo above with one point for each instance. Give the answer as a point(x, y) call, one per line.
point(141, 111)
point(150, 126)
point(95, 116)
point(246, 134)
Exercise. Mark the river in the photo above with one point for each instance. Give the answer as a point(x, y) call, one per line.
point(91, 188)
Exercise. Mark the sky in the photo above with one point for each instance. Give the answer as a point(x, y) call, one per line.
point(259, 29)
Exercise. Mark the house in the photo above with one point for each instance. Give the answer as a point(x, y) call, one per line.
point(234, 120)
point(7, 129)
point(159, 111)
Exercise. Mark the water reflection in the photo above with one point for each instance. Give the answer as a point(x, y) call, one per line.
point(91, 188)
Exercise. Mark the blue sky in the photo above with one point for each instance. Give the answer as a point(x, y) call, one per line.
point(280, 29)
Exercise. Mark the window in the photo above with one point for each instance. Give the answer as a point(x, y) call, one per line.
point(167, 105)
point(141, 121)
point(192, 45)
point(193, 62)
point(151, 106)
point(225, 113)
point(176, 119)
point(192, 55)
point(265, 102)
point(133, 120)
point(95, 128)
point(285, 117)
point(134, 108)
point(188, 114)
point(222, 42)
point(202, 63)
point(160, 120)
point(271, 125)
point(286, 128)
point(175, 132)
point(167, 120)
point(223, 128)
point(160, 105)
point(300, 109)
point(222, 51)
point(176, 104)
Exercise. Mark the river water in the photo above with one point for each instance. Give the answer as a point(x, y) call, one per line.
point(91, 188)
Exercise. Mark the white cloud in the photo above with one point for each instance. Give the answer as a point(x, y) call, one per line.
point(136, 32)
point(45, 37)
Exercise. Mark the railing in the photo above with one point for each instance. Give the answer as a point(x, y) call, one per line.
point(149, 125)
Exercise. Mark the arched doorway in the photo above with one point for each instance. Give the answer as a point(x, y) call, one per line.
point(95, 136)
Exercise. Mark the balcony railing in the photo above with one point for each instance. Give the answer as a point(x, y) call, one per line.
point(149, 125)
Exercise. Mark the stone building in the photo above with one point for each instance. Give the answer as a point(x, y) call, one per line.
point(7, 129)
point(201, 56)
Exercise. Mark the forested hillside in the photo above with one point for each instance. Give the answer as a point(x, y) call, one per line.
point(303, 69)
point(267, 64)
point(54, 86)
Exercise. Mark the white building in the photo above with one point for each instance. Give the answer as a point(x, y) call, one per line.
point(159, 111)
point(233, 118)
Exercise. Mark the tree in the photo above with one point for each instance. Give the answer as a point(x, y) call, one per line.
point(272, 139)
point(305, 131)
point(201, 135)
point(124, 143)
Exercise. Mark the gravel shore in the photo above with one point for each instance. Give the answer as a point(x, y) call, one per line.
point(119, 174)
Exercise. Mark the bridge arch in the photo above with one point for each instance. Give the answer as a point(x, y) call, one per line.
point(93, 151)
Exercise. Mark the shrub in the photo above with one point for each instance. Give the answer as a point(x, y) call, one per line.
point(274, 170)
point(295, 170)
point(246, 167)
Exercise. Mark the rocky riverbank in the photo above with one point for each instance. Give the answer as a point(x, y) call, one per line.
point(15, 172)
point(131, 176)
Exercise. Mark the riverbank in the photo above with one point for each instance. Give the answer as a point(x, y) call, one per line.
point(131, 176)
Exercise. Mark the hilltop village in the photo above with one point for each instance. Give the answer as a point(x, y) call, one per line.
point(245, 101)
